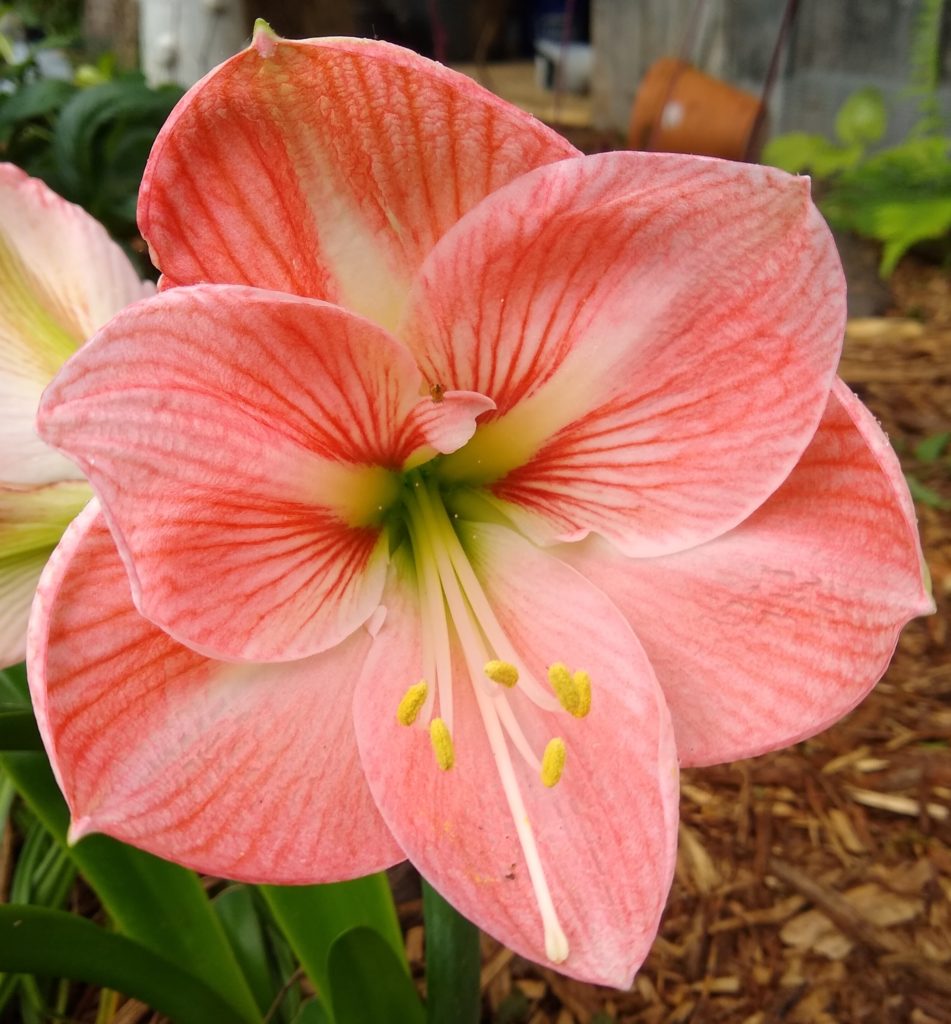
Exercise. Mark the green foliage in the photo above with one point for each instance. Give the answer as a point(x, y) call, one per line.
point(453, 962)
point(926, 66)
point(88, 144)
point(925, 495)
point(37, 940)
point(862, 119)
point(370, 981)
point(932, 448)
point(88, 138)
point(899, 196)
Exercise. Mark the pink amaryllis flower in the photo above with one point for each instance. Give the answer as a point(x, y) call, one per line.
point(61, 278)
point(464, 485)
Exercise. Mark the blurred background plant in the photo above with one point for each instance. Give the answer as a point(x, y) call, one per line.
point(83, 126)
point(899, 196)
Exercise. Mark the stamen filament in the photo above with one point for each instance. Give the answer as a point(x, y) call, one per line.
point(436, 651)
point(472, 641)
point(486, 617)
point(556, 942)
point(514, 730)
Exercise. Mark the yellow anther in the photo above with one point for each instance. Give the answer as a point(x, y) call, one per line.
point(553, 761)
point(582, 682)
point(502, 672)
point(442, 744)
point(412, 703)
point(573, 691)
point(564, 686)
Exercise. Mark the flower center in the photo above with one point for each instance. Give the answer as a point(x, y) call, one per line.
point(452, 599)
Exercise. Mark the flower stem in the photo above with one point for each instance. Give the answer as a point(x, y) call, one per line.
point(453, 962)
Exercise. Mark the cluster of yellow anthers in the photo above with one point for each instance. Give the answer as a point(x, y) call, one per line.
point(573, 690)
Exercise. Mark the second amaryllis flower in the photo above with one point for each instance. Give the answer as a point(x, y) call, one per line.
point(538, 482)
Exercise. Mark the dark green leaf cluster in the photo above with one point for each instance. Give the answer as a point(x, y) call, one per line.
point(88, 144)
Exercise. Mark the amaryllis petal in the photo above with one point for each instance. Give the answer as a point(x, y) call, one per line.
point(658, 332)
point(246, 443)
point(61, 277)
point(327, 168)
point(598, 858)
point(183, 756)
point(771, 633)
point(32, 520)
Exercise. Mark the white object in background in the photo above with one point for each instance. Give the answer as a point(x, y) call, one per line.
point(182, 40)
point(572, 61)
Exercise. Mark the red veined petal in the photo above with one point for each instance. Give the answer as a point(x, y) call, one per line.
point(244, 444)
point(328, 168)
point(606, 833)
point(659, 334)
point(771, 633)
point(246, 771)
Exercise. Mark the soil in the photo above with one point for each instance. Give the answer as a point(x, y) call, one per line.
point(814, 884)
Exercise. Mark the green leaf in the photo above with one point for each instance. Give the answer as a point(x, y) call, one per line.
point(18, 731)
point(925, 494)
point(157, 903)
point(862, 118)
point(900, 196)
point(14, 692)
point(238, 913)
point(932, 448)
point(453, 962)
point(313, 916)
point(798, 152)
point(369, 981)
point(313, 1013)
point(35, 940)
point(37, 99)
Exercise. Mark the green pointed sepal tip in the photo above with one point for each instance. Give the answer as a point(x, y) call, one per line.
point(264, 39)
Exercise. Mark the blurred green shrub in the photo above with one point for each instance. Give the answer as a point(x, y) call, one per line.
point(86, 132)
point(899, 196)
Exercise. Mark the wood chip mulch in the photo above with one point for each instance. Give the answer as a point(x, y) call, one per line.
point(813, 884)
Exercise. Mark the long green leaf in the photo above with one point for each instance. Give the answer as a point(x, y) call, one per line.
point(369, 981)
point(34, 940)
point(313, 916)
point(240, 918)
point(156, 903)
point(18, 731)
point(453, 962)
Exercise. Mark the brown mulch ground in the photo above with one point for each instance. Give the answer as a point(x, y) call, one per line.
point(814, 884)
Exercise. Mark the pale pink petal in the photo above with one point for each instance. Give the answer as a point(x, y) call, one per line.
point(659, 334)
point(771, 633)
point(328, 168)
point(245, 445)
point(246, 771)
point(605, 834)
point(61, 277)
point(32, 520)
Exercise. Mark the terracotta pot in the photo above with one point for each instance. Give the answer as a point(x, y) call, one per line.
point(679, 109)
